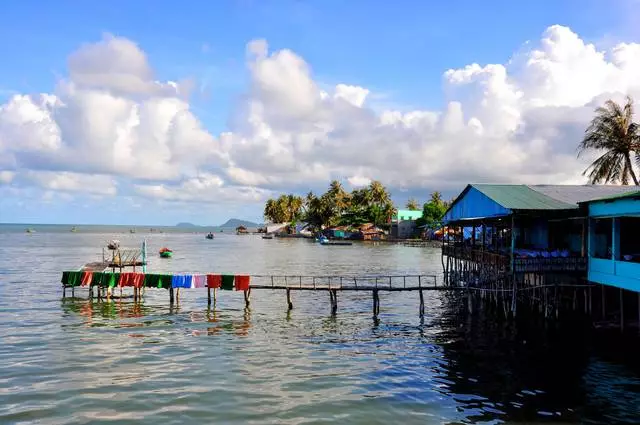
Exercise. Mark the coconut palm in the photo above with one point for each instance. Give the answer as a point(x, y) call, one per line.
point(613, 131)
point(412, 205)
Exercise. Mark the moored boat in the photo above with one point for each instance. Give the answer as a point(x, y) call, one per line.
point(165, 252)
point(209, 236)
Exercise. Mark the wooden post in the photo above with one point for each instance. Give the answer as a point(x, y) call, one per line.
point(247, 297)
point(177, 295)
point(64, 291)
point(215, 296)
point(621, 310)
point(208, 296)
point(603, 299)
point(334, 310)
point(374, 294)
point(289, 302)
point(421, 303)
point(171, 295)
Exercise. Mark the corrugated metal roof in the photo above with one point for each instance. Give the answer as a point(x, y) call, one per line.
point(521, 197)
point(575, 194)
point(631, 194)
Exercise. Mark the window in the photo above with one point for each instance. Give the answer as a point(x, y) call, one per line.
point(602, 238)
point(629, 239)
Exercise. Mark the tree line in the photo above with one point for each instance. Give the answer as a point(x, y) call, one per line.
point(335, 207)
point(338, 207)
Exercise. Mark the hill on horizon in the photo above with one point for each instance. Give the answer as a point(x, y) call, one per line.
point(235, 222)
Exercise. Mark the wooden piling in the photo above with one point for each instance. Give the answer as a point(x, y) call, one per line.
point(421, 303)
point(247, 297)
point(208, 296)
point(621, 310)
point(171, 296)
point(289, 302)
point(334, 307)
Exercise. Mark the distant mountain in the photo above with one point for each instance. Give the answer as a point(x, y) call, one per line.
point(186, 225)
point(234, 222)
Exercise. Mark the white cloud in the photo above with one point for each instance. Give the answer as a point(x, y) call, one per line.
point(6, 177)
point(112, 120)
point(73, 182)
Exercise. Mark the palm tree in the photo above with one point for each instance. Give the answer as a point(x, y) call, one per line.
point(412, 205)
point(379, 194)
point(613, 131)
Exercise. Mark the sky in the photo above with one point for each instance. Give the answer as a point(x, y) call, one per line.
point(159, 112)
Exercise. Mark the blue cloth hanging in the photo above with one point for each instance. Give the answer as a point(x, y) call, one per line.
point(181, 281)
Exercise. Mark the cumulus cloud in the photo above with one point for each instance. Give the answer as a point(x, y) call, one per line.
point(111, 125)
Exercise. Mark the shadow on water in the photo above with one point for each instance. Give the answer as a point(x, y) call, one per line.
point(527, 369)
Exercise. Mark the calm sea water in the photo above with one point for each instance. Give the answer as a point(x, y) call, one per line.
point(74, 361)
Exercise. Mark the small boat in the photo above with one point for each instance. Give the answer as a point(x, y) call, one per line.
point(165, 253)
point(113, 245)
point(335, 243)
point(209, 236)
point(74, 229)
point(132, 230)
point(267, 237)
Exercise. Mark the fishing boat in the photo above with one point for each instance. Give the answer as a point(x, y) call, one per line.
point(113, 245)
point(209, 236)
point(30, 231)
point(267, 237)
point(74, 229)
point(165, 252)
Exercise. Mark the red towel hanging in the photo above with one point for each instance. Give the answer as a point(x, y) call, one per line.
point(214, 281)
point(87, 277)
point(242, 282)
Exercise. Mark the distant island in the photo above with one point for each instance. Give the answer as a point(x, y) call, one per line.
point(234, 223)
point(230, 224)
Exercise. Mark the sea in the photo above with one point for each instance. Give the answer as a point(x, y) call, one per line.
point(75, 360)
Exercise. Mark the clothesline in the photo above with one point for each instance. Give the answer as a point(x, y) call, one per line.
point(154, 280)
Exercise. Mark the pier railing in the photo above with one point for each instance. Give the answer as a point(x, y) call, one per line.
point(544, 265)
point(520, 265)
point(476, 255)
point(346, 283)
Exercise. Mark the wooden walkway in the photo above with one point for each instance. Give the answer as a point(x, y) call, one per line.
point(332, 284)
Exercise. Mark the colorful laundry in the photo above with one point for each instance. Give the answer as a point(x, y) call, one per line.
point(72, 278)
point(227, 282)
point(214, 281)
point(161, 281)
point(242, 282)
point(181, 281)
point(113, 279)
point(86, 279)
point(199, 281)
point(99, 279)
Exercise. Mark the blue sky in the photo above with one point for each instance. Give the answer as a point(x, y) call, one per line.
point(398, 50)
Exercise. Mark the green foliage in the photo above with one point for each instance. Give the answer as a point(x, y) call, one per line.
point(433, 211)
point(412, 205)
point(335, 207)
point(613, 131)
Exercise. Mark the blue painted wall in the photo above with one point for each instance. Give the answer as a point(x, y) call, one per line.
point(621, 274)
point(628, 207)
point(475, 204)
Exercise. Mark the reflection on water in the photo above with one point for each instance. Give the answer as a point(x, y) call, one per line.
point(76, 360)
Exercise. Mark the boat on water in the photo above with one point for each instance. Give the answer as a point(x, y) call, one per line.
point(267, 237)
point(209, 236)
point(30, 231)
point(335, 243)
point(165, 252)
point(132, 230)
point(113, 245)
point(74, 229)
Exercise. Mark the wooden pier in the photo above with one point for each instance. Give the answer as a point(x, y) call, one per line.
point(331, 284)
